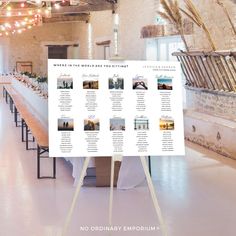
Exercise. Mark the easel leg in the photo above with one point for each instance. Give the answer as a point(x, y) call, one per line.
point(80, 183)
point(153, 194)
point(111, 190)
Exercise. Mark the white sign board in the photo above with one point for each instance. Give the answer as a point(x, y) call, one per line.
point(103, 108)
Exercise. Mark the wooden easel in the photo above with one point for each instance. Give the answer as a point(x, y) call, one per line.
point(150, 186)
point(114, 158)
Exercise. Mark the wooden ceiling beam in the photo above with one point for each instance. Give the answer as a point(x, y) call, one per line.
point(85, 8)
point(63, 18)
point(94, 2)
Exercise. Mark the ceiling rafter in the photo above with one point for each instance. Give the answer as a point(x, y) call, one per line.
point(67, 18)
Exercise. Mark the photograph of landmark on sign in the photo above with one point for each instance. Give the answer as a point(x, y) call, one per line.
point(164, 83)
point(64, 83)
point(90, 84)
point(91, 124)
point(117, 124)
point(116, 83)
point(141, 123)
point(65, 125)
point(167, 123)
point(139, 82)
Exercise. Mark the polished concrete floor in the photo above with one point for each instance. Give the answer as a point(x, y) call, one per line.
point(197, 195)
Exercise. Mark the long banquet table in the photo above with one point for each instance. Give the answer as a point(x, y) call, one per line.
point(131, 173)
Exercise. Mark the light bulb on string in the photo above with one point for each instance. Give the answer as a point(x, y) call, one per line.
point(7, 25)
point(17, 24)
point(57, 6)
point(46, 11)
point(38, 2)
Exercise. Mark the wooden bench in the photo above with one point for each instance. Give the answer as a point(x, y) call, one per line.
point(29, 123)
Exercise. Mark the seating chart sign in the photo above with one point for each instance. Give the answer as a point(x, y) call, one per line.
point(104, 108)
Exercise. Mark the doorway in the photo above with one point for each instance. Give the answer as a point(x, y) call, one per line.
point(57, 51)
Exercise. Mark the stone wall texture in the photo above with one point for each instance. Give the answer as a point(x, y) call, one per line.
point(217, 23)
point(28, 45)
point(134, 14)
point(221, 104)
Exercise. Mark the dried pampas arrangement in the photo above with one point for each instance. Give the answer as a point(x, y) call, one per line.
point(195, 16)
point(172, 14)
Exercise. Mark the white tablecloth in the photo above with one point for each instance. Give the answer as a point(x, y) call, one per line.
point(37, 103)
point(131, 172)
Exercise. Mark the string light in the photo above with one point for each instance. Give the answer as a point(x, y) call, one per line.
point(38, 2)
point(22, 9)
point(46, 11)
point(7, 25)
point(57, 6)
point(17, 24)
